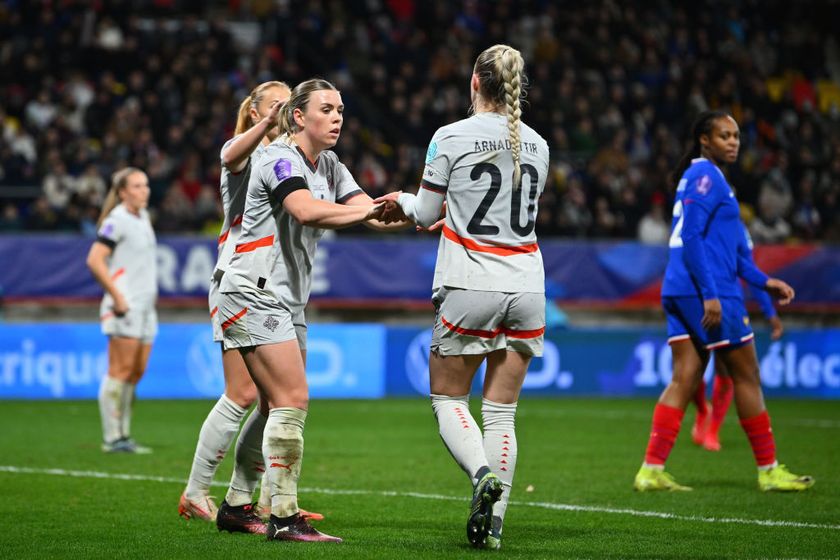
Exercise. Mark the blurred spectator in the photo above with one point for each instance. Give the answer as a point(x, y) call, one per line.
point(10, 219)
point(58, 187)
point(613, 87)
point(653, 229)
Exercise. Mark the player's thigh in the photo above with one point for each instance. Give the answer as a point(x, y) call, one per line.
point(689, 361)
point(452, 375)
point(742, 363)
point(506, 372)
point(239, 387)
point(278, 371)
point(123, 355)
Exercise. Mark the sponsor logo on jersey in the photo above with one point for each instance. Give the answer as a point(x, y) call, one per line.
point(282, 169)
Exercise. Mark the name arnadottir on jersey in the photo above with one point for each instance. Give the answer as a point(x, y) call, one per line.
point(504, 144)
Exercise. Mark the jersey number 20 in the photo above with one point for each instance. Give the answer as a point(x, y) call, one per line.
point(475, 226)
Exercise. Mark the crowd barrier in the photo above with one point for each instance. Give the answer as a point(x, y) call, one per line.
point(67, 361)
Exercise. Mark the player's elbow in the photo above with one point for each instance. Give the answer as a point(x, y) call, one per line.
point(304, 215)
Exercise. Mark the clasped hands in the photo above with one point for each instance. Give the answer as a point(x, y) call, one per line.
point(392, 212)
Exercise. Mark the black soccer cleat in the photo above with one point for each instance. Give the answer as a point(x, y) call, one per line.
point(295, 528)
point(487, 492)
point(239, 519)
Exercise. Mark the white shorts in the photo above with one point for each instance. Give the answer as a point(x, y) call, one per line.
point(213, 303)
point(248, 320)
point(139, 323)
point(477, 322)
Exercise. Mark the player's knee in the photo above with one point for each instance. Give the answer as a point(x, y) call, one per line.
point(290, 399)
point(242, 396)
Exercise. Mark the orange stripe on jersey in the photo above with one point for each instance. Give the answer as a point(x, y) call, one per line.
point(236, 222)
point(501, 250)
point(267, 241)
point(214, 311)
point(117, 273)
point(470, 332)
point(226, 325)
point(533, 333)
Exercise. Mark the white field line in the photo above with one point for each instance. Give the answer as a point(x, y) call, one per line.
point(440, 497)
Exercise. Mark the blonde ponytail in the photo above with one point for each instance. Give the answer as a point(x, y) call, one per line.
point(118, 181)
point(501, 75)
point(243, 118)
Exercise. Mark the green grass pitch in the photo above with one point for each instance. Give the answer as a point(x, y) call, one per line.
point(382, 477)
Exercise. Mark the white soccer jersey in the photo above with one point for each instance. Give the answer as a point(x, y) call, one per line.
point(274, 254)
point(233, 187)
point(488, 241)
point(133, 262)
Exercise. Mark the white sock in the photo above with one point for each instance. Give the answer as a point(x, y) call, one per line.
point(460, 433)
point(111, 407)
point(217, 431)
point(283, 454)
point(127, 406)
point(265, 494)
point(248, 466)
point(500, 446)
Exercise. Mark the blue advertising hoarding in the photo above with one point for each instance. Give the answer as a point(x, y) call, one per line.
point(67, 361)
point(348, 269)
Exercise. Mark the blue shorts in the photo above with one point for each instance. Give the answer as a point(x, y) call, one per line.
point(685, 315)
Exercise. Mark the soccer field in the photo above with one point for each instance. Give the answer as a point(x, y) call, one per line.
point(379, 473)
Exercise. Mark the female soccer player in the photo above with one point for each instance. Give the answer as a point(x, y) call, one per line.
point(706, 429)
point(256, 126)
point(123, 260)
point(705, 310)
point(489, 289)
point(297, 189)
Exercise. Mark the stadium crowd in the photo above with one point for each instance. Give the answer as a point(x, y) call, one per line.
point(89, 87)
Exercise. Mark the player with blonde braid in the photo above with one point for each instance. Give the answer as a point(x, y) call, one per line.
point(489, 289)
point(511, 67)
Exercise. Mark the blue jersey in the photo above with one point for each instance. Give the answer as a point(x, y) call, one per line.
point(706, 232)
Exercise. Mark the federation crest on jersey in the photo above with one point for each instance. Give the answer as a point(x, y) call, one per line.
point(282, 169)
point(271, 323)
point(704, 184)
point(431, 152)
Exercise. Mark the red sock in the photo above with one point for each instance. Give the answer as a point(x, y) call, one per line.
point(761, 438)
point(722, 392)
point(700, 399)
point(663, 433)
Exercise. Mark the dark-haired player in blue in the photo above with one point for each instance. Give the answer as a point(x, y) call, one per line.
point(706, 429)
point(705, 309)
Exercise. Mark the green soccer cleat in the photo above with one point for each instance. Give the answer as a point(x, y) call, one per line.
point(486, 493)
point(494, 539)
point(649, 479)
point(779, 479)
